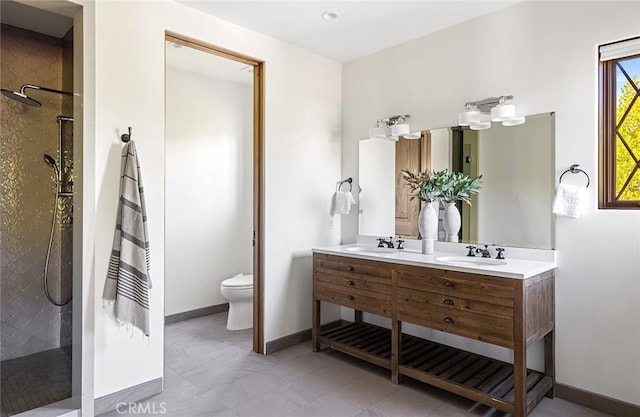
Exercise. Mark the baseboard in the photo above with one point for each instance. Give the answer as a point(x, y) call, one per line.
point(295, 338)
point(199, 312)
point(123, 398)
point(69, 407)
point(598, 402)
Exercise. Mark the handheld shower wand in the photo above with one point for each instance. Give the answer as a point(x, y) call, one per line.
point(52, 163)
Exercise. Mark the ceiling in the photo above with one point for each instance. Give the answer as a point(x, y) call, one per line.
point(54, 20)
point(362, 28)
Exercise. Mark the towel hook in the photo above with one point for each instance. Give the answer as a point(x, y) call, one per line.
point(348, 180)
point(575, 169)
point(126, 137)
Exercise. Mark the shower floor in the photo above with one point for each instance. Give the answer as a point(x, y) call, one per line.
point(36, 380)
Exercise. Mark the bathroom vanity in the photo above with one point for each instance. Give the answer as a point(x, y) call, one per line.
point(509, 305)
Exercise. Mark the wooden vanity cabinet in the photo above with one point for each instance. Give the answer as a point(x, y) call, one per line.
point(508, 312)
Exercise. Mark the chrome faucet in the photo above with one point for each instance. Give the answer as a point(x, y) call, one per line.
point(382, 242)
point(485, 252)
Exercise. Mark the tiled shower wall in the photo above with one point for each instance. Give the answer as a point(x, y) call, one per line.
point(29, 323)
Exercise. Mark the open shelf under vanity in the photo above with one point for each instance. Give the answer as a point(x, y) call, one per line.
point(474, 376)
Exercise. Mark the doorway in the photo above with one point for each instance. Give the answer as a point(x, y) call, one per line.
point(214, 178)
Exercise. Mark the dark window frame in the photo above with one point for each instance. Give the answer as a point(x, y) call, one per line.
point(607, 105)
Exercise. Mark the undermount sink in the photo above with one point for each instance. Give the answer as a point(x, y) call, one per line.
point(471, 260)
point(371, 250)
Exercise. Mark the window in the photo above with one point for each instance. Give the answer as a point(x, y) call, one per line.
point(620, 125)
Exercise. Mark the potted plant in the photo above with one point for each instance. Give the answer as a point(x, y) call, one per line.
point(459, 187)
point(427, 186)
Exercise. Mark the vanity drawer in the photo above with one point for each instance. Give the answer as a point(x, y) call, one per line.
point(377, 303)
point(487, 328)
point(491, 290)
point(369, 283)
point(352, 267)
point(448, 302)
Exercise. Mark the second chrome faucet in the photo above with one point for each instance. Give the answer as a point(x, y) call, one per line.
point(485, 252)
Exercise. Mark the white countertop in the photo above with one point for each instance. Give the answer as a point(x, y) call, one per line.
point(514, 268)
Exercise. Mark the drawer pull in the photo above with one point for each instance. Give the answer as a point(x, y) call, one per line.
point(350, 297)
point(351, 283)
point(448, 302)
point(350, 268)
point(449, 284)
point(448, 320)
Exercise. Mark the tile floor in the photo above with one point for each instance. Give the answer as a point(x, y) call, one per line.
point(211, 371)
point(35, 380)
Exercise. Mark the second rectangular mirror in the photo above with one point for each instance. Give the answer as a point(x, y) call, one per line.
point(513, 207)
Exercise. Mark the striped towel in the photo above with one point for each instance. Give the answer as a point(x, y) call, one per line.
point(128, 280)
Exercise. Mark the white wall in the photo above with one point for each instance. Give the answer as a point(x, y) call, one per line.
point(547, 58)
point(302, 164)
point(377, 196)
point(209, 187)
point(515, 166)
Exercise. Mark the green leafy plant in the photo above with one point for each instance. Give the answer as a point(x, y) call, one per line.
point(448, 187)
point(426, 186)
point(460, 187)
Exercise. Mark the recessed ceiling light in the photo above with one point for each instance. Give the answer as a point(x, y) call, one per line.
point(329, 15)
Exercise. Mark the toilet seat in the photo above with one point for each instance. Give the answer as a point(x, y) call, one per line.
point(238, 282)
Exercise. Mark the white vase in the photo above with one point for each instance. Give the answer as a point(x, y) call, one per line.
point(428, 220)
point(451, 222)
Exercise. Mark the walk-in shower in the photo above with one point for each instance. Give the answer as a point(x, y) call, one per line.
point(36, 236)
point(24, 99)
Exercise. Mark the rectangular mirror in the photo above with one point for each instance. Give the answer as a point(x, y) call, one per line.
point(513, 207)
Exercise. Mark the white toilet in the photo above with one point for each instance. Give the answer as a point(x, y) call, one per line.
point(238, 290)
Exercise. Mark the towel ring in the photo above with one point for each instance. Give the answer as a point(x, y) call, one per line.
point(574, 169)
point(348, 180)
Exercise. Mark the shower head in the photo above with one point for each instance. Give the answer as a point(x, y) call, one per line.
point(21, 97)
point(52, 162)
point(24, 99)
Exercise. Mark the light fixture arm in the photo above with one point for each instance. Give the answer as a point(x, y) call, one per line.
point(393, 120)
point(487, 104)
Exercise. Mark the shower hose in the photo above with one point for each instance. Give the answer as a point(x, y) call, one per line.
point(46, 262)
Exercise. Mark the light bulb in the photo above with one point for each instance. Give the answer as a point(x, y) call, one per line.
point(413, 135)
point(514, 121)
point(468, 117)
point(400, 129)
point(480, 126)
point(502, 112)
point(377, 133)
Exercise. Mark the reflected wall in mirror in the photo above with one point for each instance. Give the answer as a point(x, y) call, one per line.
point(513, 207)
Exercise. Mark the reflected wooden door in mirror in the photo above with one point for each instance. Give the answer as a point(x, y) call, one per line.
point(415, 156)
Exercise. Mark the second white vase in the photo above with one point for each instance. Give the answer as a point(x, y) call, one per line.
point(451, 222)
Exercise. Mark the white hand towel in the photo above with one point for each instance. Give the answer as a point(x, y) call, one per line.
point(569, 200)
point(343, 202)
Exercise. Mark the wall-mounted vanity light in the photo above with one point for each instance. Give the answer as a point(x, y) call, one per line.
point(392, 128)
point(478, 115)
